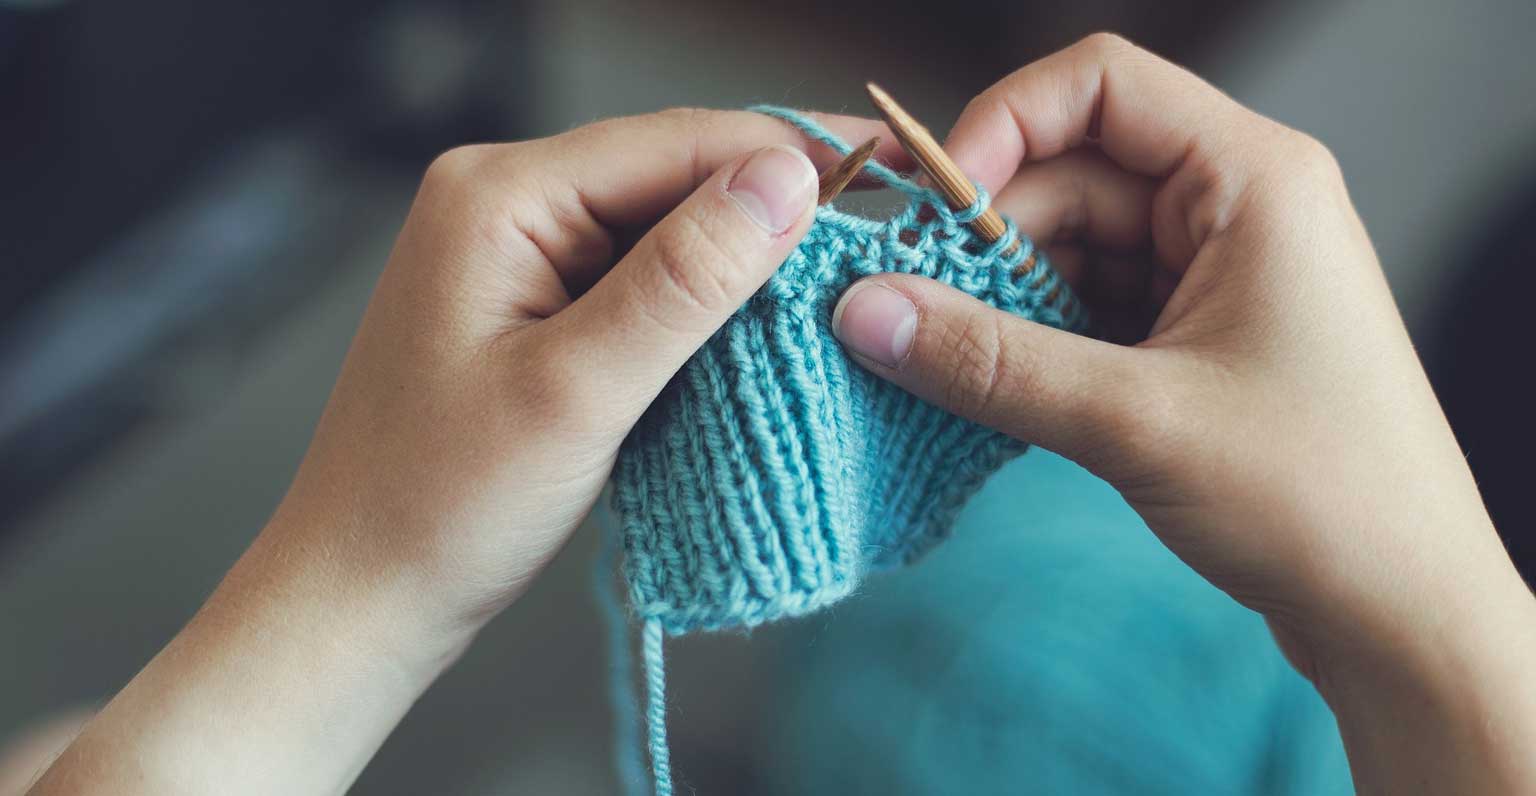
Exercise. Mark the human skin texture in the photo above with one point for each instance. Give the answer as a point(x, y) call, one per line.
point(1261, 407)
point(1257, 401)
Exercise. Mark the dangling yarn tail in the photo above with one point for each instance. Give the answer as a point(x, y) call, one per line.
point(626, 724)
point(656, 706)
point(621, 671)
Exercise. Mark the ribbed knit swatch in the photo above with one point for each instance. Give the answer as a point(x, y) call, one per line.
point(774, 472)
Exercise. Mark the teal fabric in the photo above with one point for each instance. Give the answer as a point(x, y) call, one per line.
point(1052, 646)
point(773, 472)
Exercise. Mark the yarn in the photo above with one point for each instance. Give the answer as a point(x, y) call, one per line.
point(626, 742)
point(773, 473)
point(656, 708)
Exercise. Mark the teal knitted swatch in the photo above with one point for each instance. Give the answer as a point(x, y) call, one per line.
point(773, 472)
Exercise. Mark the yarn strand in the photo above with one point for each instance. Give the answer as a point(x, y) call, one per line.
point(621, 671)
point(822, 135)
point(656, 707)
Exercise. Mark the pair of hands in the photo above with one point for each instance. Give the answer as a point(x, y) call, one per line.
point(1262, 409)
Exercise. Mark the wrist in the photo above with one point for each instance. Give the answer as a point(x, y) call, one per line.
point(299, 656)
point(1451, 692)
point(369, 612)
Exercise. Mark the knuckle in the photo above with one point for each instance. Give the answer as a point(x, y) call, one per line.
point(678, 121)
point(686, 116)
point(692, 126)
point(1295, 171)
point(580, 136)
point(687, 123)
point(1315, 161)
point(692, 266)
point(1106, 43)
point(480, 193)
point(457, 185)
point(450, 171)
point(975, 351)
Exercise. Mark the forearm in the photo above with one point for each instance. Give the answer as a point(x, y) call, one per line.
point(475, 422)
point(1452, 711)
point(287, 681)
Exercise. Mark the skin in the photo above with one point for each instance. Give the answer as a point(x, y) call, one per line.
point(1261, 407)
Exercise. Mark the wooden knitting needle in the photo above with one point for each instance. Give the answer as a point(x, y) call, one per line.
point(835, 179)
point(947, 177)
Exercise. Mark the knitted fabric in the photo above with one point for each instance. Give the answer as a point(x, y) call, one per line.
point(773, 472)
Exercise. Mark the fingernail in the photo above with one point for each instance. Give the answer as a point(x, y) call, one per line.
point(875, 321)
point(774, 187)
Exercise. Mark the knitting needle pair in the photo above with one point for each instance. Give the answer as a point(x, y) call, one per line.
point(947, 178)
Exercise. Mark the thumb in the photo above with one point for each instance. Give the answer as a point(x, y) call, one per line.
point(1071, 394)
point(637, 326)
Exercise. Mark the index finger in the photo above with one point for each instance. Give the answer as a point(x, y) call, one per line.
point(635, 169)
point(1146, 113)
point(558, 200)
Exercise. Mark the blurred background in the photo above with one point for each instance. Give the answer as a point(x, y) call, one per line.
point(197, 195)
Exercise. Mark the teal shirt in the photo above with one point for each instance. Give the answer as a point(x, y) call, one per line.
point(1051, 646)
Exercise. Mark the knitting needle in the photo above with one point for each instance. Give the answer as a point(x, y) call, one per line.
point(947, 177)
point(835, 179)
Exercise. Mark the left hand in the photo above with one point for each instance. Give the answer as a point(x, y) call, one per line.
point(501, 362)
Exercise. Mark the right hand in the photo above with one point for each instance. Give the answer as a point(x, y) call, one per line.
point(1266, 416)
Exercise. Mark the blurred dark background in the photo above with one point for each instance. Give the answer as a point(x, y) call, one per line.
point(195, 198)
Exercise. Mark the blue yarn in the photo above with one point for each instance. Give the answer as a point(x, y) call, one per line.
point(626, 739)
point(822, 135)
point(772, 473)
point(656, 707)
point(969, 214)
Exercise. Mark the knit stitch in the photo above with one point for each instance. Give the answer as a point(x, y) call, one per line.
point(773, 472)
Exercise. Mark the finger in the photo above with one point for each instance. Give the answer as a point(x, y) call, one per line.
point(1069, 261)
point(681, 149)
point(1080, 197)
point(565, 196)
point(1145, 112)
point(634, 329)
point(1062, 391)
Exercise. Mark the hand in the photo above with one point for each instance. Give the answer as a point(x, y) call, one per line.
point(501, 362)
point(1267, 415)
